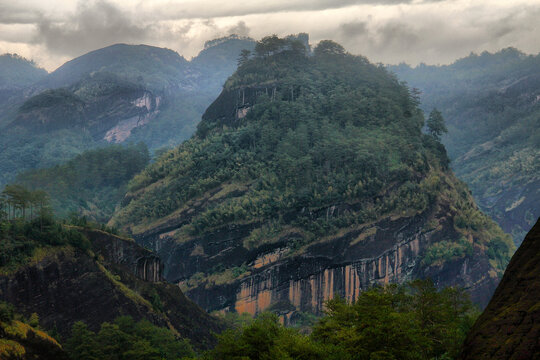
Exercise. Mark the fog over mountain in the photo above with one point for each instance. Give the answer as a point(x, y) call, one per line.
point(388, 31)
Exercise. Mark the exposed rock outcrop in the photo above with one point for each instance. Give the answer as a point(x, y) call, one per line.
point(391, 250)
point(509, 328)
point(125, 252)
point(66, 285)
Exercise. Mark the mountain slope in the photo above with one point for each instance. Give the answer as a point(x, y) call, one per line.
point(16, 72)
point(492, 108)
point(155, 67)
point(19, 340)
point(121, 93)
point(309, 176)
point(509, 328)
point(69, 275)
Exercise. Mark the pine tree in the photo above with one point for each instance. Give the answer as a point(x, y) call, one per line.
point(435, 124)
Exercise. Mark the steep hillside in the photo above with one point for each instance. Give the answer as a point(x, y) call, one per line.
point(90, 185)
point(491, 103)
point(121, 93)
point(310, 176)
point(67, 275)
point(509, 328)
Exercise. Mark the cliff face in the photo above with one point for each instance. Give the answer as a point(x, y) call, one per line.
point(106, 106)
point(126, 253)
point(509, 328)
point(289, 282)
point(66, 285)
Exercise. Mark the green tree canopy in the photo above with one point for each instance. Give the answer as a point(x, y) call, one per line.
point(435, 124)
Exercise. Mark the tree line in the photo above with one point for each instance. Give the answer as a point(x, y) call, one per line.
point(17, 202)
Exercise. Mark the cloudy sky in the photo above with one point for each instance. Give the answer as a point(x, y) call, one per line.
point(389, 31)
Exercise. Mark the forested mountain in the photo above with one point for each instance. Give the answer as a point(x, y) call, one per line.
point(91, 184)
point(154, 68)
point(491, 103)
point(509, 328)
point(122, 93)
point(309, 176)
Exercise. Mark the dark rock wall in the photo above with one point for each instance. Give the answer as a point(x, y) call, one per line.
point(122, 278)
point(117, 250)
point(509, 328)
point(388, 251)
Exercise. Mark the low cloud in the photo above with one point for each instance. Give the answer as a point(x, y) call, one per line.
point(388, 31)
point(239, 29)
point(91, 26)
point(437, 37)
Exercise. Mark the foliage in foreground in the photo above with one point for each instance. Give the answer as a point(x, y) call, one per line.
point(414, 321)
point(126, 339)
point(22, 338)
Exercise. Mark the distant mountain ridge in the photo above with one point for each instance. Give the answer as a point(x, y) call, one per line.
point(17, 72)
point(152, 67)
point(491, 103)
point(121, 93)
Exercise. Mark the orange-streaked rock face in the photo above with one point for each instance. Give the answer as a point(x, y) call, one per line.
point(291, 281)
point(311, 293)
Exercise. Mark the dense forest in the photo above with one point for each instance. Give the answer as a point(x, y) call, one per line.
point(91, 184)
point(491, 105)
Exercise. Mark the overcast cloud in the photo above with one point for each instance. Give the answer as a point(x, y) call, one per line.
point(389, 31)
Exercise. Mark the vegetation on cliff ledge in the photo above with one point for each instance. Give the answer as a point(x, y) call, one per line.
point(22, 338)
